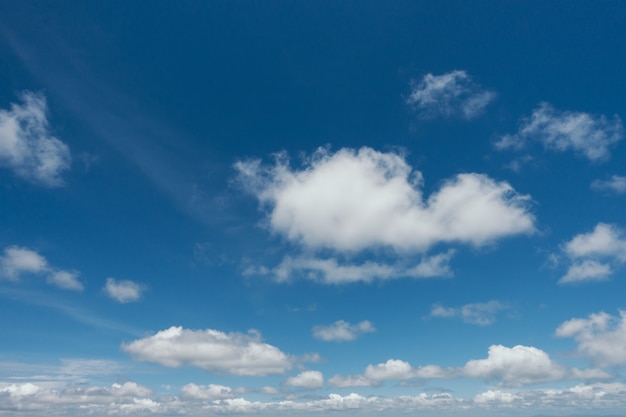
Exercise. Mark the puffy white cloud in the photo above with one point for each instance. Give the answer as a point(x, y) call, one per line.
point(65, 279)
point(592, 136)
point(123, 291)
point(342, 331)
point(601, 337)
point(499, 397)
point(482, 314)
point(18, 261)
point(212, 350)
point(306, 380)
point(616, 184)
point(26, 145)
point(355, 200)
point(593, 254)
point(208, 392)
point(453, 94)
point(393, 369)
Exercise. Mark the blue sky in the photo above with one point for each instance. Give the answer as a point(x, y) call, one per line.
point(300, 208)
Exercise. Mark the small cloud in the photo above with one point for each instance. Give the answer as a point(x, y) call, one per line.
point(481, 314)
point(616, 184)
point(26, 145)
point(453, 94)
point(67, 280)
point(560, 131)
point(342, 331)
point(308, 380)
point(206, 392)
point(123, 291)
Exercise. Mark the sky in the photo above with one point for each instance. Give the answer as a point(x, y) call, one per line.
point(307, 208)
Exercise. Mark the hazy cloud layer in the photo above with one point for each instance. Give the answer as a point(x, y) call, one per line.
point(211, 350)
point(589, 135)
point(354, 200)
point(27, 146)
point(453, 94)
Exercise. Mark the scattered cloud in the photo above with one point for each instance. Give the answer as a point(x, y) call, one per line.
point(211, 350)
point(307, 380)
point(26, 145)
point(355, 200)
point(342, 331)
point(601, 337)
point(616, 184)
point(123, 291)
point(593, 254)
point(589, 135)
point(18, 261)
point(482, 314)
point(206, 392)
point(453, 94)
point(393, 369)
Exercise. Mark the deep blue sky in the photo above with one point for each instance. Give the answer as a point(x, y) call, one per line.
point(297, 207)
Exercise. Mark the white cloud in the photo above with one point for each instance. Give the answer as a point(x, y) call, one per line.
point(26, 145)
point(211, 350)
point(306, 380)
point(393, 369)
point(482, 314)
point(342, 331)
point(453, 94)
point(616, 184)
point(340, 381)
point(65, 279)
point(355, 200)
point(123, 291)
point(593, 254)
point(601, 337)
point(592, 136)
point(18, 261)
point(208, 392)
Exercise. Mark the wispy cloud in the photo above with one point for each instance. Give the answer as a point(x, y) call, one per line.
point(616, 184)
point(123, 291)
point(589, 135)
point(481, 314)
point(342, 331)
point(453, 94)
point(27, 146)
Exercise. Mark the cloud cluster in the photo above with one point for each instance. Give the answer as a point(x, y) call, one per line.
point(453, 94)
point(211, 350)
point(481, 314)
point(26, 145)
point(123, 291)
point(515, 366)
point(342, 331)
point(18, 261)
point(589, 135)
point(593, 255)
point(601, 337)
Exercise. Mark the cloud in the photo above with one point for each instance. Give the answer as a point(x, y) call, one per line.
point(306, 380)
point(123, 291)
point(351, 200)
point(18, 261)
point(589, 135)
point(208, 392)
point(26, 145)
point(393, 369)
point(211, 350)
point(342, 331)
point(482, 314)
point(453, 94)
point(593, 254)
point(617, 184)
point(601, 337)
point(340, 381)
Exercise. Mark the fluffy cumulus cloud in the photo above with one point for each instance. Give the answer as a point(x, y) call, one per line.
point(306, 380)
point(211, 350)
point(27, 146)
point(18, 261)
point(616, 184)
point(206, 392)
point(123, 291)
point(342, 331)
point(589, 135)
point(453, 94)
point(481, 314)
point(353, 200)
point(601, 337)
point(594, 255)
